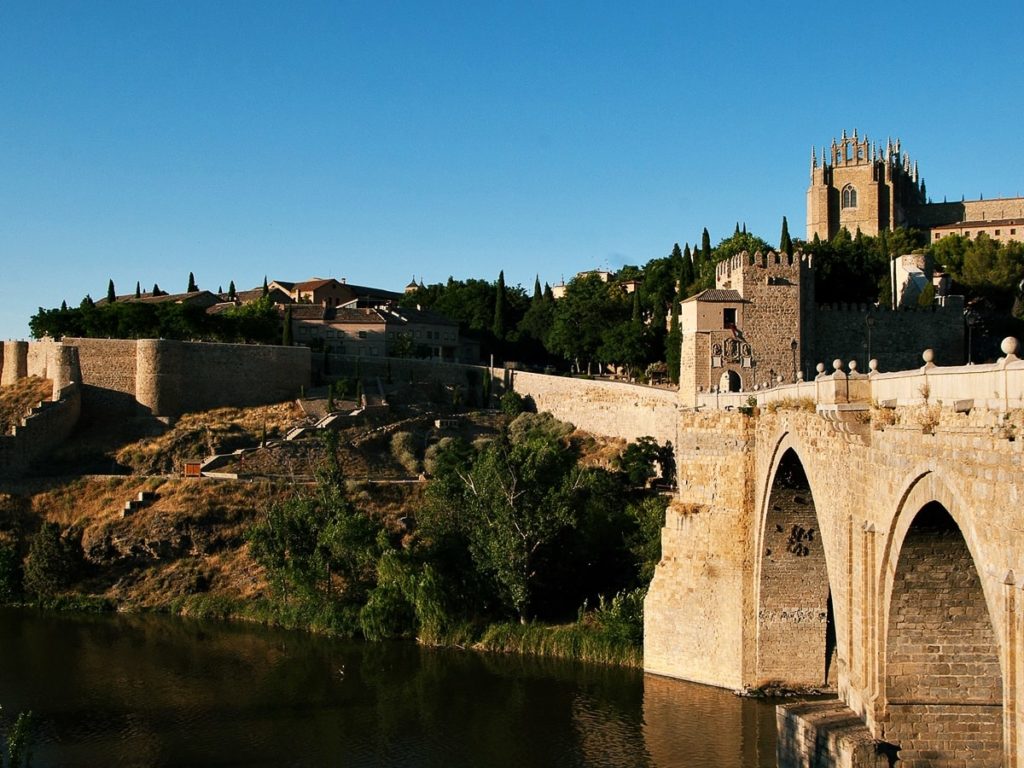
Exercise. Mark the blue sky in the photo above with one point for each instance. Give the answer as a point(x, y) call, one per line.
point(376, 141)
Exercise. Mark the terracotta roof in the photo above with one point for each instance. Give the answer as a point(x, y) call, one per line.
point(716, 294)
point(312, 285)
point(988, 223)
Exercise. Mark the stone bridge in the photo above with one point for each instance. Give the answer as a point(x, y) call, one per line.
point(863, 535)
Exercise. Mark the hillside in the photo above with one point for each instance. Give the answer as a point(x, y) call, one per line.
point(189, 539)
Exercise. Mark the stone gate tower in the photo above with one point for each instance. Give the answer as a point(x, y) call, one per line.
point(859, 185)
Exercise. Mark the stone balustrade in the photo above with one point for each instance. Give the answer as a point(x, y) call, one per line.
point(996, 386)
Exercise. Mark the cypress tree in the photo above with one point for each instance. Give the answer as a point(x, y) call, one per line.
point(737, 228)
point(549, 295)
point(64, 306)
point(537, 295)
point(138, 290)
point(266, 288)
point(156, 289)
point(498, 327)
point(192, 287)
point(686, 271)
point(676, 259)
point(231, 290)
point(785, 241)
point(111, 295)
point(636, 306)
point(705, 246)
point(286, 332)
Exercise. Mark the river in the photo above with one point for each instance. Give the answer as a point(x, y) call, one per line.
point(154, 690)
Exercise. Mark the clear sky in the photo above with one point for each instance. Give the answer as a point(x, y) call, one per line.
point(380, 140)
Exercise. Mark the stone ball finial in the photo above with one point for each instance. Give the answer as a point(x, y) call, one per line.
point(779, 378)
point(928, 356)
point(799, 375)
point(853, 366)
point(1009, 346)
point(820, 368)
point(873, 365)
point(837, 364)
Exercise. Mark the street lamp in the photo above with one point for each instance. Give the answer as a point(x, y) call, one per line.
point(793, 346)
point(971, 319)
point(869, 321)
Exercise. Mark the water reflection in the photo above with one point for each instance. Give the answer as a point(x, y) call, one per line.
point(156, 690)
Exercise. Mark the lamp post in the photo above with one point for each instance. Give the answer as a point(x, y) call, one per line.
point(793, 346)
point(971, 319)
point(869, 321)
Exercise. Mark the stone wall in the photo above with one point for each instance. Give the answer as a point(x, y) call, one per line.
point(609, 408)
point(49, 423)
point(897, 337)
point(868, 482)
point(151, 377)
point(695, 600)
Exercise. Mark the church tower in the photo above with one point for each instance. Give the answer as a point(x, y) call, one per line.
point(859, 185)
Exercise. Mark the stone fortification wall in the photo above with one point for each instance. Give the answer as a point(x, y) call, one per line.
point(42, 430)
point(608, 408)
point(402, 369)
point(167, 378)
point(49, 423)
point(108, 375)
point(897, 337)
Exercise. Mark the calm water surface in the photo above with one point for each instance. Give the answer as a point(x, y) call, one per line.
point(163, 691)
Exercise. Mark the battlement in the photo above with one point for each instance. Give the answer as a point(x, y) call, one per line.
point(776, 262)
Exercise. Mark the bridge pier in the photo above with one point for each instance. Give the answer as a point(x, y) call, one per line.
point(871, 557)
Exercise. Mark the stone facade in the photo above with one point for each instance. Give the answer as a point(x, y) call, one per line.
point(859, 185)
point(760, 325)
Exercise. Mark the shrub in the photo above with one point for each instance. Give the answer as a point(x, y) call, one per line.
point(512, 404)
point(10, 573)
point(529, 425)
point(50, 564)
point(403, 448)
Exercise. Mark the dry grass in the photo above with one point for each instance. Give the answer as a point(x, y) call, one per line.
point(16, 400)
point(198, 435)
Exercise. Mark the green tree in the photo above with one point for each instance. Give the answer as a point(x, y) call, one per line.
point(785, 241)
point(10, 573)
point(50, 564)
point(509, 503)
point(589, 309)
point(138, 290)
point(192, 287)
point(231, 291)
point(500, 299)
point(286, 331)
point(266, 288)
point(673, 344)
point(111, 294)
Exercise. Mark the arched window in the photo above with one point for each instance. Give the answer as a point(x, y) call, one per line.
point(849, 196)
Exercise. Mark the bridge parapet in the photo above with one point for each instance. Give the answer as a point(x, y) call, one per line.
point(996, 386)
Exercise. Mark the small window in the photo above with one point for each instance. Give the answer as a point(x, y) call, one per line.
point(937, 235)
point(362, 334)
point(849, 196)
point(729, 317)
point(1013, 231)
point(967, 233)
point(997, 232)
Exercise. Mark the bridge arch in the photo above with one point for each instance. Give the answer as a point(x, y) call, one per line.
point(940, 667)
point(796, 628)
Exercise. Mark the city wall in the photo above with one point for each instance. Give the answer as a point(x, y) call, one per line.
point(896, 337)
point(49, 423)
point(165, 378)
point(613, 409)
